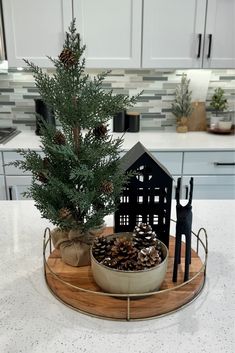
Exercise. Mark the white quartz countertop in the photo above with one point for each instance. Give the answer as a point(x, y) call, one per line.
point(160, 141)
point(33, 321)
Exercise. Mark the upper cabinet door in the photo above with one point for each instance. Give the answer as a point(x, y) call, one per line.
point(111, 30)
point(220, 34)
point(35, 29)
point(173, 33)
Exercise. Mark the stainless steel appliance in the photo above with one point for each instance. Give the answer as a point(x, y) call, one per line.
point(7, 133)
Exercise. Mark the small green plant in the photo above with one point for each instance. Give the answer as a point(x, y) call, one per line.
point(218, 102)
point(182, 105)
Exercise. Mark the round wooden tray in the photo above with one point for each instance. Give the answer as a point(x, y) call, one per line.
point(75, 287)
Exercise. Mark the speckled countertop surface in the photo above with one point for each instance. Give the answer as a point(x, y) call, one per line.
point(33, 321)
point(161, 141)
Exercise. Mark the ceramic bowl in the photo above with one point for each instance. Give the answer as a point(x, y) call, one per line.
point(224, 125)
point(129, 282)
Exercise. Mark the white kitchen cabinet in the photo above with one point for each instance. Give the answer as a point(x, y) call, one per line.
point(208, 187)
point(173, 33)
point(219, 47)
point(189, 34)
point(16, 185)
point(35, 29)
point(203, 163)
point(9, 157)
point(111, 30)
point(213, 172)
point(171, 160)
point(124, 33)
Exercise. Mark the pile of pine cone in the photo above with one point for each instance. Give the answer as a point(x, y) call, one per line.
point(139, 252)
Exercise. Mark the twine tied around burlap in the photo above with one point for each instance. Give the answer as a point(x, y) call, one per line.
point(75, 245)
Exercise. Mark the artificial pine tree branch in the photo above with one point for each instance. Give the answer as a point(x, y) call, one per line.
point(80, 171)
point(182, 105)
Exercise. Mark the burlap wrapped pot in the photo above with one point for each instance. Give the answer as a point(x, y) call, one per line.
point(74, 245)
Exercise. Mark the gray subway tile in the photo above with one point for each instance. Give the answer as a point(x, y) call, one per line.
point(227, 78)
point(158, 78)
point(35, 89)
point(153, 116)
point(149, 98)
point(27, 96)
point(7, 103)
point(6, 89)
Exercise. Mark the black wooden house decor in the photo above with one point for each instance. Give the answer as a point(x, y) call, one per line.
point(147, 196)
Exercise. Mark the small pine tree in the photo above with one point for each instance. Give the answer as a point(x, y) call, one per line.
point(218, 101)
point(78, 180)
point(182, 105)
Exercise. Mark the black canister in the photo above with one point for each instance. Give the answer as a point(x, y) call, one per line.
point(132, 122)
point(119, 122)
point(43, 112)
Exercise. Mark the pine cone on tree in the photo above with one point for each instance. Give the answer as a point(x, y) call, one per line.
point(144, 236)
point(59, 138)
point(46, 163)
point(100, 131)
point(67, 57)
point(148, 257)
point(107, 187)
point(42, 177)
point(65, 213)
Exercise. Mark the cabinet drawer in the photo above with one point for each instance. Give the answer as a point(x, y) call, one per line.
point(211, 187)
point(16, 185)
point(202, 163)
point(1, 162)
point(10, 169)
point(171, 160)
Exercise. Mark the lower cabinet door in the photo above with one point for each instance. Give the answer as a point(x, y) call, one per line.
point(2, 188)
point(211, 187)
point(16, 185)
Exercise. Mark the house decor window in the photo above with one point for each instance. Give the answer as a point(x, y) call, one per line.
point(148, 194)
point(124, 220)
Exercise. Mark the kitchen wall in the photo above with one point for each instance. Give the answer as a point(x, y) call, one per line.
point(17, 93)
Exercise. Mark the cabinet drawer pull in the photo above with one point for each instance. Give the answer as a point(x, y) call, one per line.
point(10, 193)
point(224, 164)
point(199, 45)
point(209, 46)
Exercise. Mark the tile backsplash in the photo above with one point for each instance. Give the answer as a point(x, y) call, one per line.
point(17, 93)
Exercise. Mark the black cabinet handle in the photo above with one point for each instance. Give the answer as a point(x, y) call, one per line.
point(10, 192)
point(199, 45)
point(209, 46)
point(224, 164)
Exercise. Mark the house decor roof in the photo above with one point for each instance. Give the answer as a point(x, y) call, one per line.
point(135, 153)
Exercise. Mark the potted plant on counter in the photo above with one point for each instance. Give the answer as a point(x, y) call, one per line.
point(218, 106)
point(182, 105)
point(129, 263)
point(77, 181)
